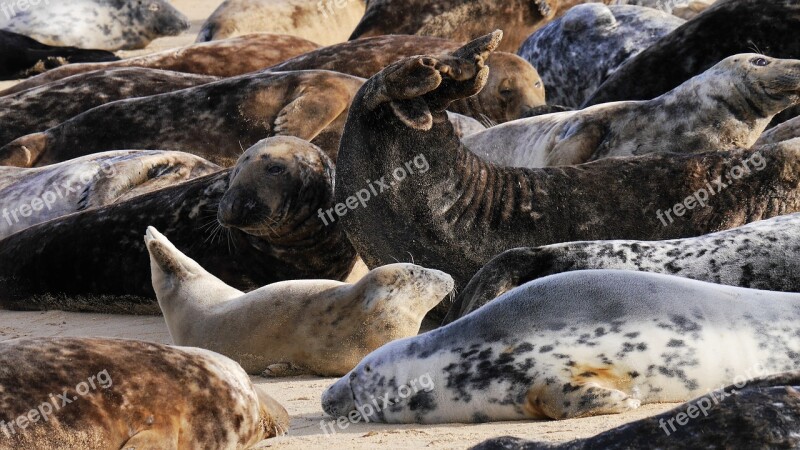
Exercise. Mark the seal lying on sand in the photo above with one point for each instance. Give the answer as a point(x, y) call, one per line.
point(577, 52)
point(760, 255)
point(727, 106)
point(35, 110)
point(21, 56)
point(513, 88)
point(32, 196)
point(324, 21)
point(579, 344)
point(226, 58)
point(462, 212)
point(109, 393)
point(96, 24)
point(216, 120)
point(96, 260)
point(762, 414)
point(324, 327)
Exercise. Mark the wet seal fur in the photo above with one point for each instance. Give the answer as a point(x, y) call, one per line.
point(113, 393)
point(97, 24)
point(322, 327)
point(762, 414)
point(513, 88)
point(96, 260)
point(89, 182)
point(464, 211)
point(727, 106)
point(580, 344)
point(575, 53)
point(215, 121)
point(761, 255)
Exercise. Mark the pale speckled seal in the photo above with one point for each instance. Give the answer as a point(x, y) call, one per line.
point(43, 107)
point(225, 58)
point(463, 211)
point(110, 393)
point(21, 56)
point(761, 255)
point(727, 106)
point(318, 326)
point(96, 260)
point(575, 53)
point(459, 20)
point(758, 414)
point(579, 344)
point(95, 24)
point(215, 121)
point(32, 196)
point(513, 88)
point(323, 21)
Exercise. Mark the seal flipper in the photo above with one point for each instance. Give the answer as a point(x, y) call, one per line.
point(25, 151)
point(570, 401)
point(292, 120)
point(578, 147)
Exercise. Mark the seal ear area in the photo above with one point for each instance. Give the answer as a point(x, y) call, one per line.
point(167, 258)
point(414, 113)
point(25, 151)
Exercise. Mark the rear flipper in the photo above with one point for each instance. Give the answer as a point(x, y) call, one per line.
point(569, 401)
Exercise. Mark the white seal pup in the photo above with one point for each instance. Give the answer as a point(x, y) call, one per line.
point(578, 344)
point(319, 326)
point(727, 106)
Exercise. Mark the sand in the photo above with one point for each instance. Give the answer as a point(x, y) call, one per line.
point(301, 395)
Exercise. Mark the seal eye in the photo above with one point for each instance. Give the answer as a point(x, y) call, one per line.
point(538, 85)
point(761, 62)
point(276, 169)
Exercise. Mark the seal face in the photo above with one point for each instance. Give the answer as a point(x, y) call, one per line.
point(108, 393)
point(575, 53)
point(578, 344)
point(323, 327)
point(21, 56)
point(284, 237)
point(95, 24)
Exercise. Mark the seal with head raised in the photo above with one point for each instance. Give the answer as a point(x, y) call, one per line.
point(113, 393)
point(463, 211)
point(578, 344)
point(250, 226)
point(318, 326)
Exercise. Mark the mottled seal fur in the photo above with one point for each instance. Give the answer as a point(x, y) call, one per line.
point(325, 22)
point(323, 327)
point(21, 56)
point(783, 132)
point(95, 24)
point(761, 414)
point(96, 260)
point(108, 393)
point(32, 196)
point(513, 89)
point(727, 28)
point(761, 255)
point(575, 53)
point(37, 109)
point(464, 211)
point(459, 20)
point(215, 121)
point(580, 344)
point(225, 58)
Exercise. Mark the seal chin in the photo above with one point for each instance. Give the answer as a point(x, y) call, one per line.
point(337, 400)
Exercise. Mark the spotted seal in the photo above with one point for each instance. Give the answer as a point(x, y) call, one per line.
point(94, 24)
point(323, 327)
point(113, 393)
point(579, 344)
point(250, 226)
point(575, 53)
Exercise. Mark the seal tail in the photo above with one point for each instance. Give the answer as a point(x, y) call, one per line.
point(25, 151)
point(166, 258)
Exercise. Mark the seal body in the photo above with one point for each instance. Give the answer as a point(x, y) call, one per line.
point(21, 56)
point(214, 121)
point(784, 132)
point(95, 24)
point(387, 304)
point(727, 106)
point(575, 53)
point(250, 226)
point(579, 344)
point(108, 393)
point(325, 22)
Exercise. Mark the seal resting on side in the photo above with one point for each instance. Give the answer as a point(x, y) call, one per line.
point(113, 393)
point(322, 327)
